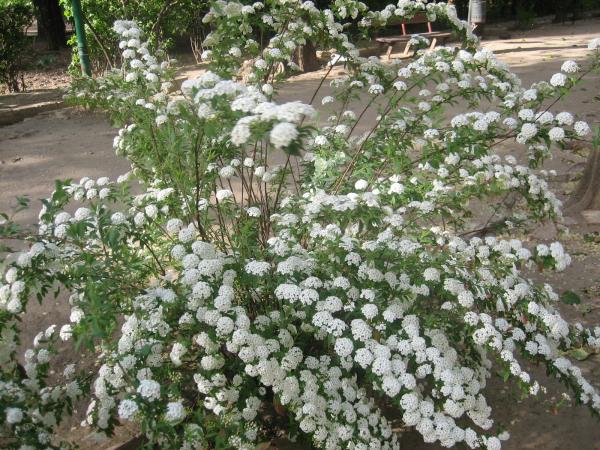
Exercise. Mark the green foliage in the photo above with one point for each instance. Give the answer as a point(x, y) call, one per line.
point(15, 15)
point(162, 21)
point(525, 17)
point(570, 298)
point(9, 230)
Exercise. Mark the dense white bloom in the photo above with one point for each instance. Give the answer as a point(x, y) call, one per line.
point(431, 274)
point(223, 194)
point(361, 185)
point(556, 134)
point(283, 134)
point(569, 67)
point(258, 268)
point(582, 128)
point(253, 211)
point(343, 347)
point(149, 390)
point(175, 411)
point(564, 118)
point(528, 130)
point(177, 352)
point(127, 409)
point(558, 80)
point(14, 415)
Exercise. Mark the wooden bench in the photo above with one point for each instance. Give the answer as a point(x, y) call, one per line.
point(435, 36)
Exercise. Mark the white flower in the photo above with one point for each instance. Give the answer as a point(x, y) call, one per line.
point(175, 411)
point(343, 347)
point(149, 390)
point(556, 134)
point(14, 306)
point(594, 44)
point(363, 357)
point(526, 114)
point(283, 134)
point(569, 67)
point(14, 415)
point(493, 443)
point(558, 80)
point(424, 106)
point(582, 128)
point(223, 194)
point(118, 218)
point(61, 218)
point(187, 234)
point(65, 332)
point(267, 89)
point(375, 89)
point(77, 314)
point(240, 133)
point(361, 185)
point(82, 214)
point(369, 310)
point(400, 86)
point(127, 409)
point(174, 225)
point(205, 111)
point(253, 211)
point(226, 172)
point(564, 118)
point(431, 274)
point(257, 268)
point(528, 130)
point(177, 352)
point(151, 211)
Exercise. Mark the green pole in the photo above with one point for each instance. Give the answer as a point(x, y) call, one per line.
point(84, 58)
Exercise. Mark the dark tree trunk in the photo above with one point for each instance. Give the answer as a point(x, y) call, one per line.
point(306, 57)
point(587, 194)
point(51, 24)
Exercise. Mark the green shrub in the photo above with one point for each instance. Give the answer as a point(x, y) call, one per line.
point(15, 15)
point(161, 21)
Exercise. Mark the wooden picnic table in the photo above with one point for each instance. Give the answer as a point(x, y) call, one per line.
point(406, 37)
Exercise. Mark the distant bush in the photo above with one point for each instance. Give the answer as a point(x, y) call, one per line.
point(15, 15)
point(161, 21)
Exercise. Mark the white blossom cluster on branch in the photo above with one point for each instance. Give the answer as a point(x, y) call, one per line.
point(271, 269)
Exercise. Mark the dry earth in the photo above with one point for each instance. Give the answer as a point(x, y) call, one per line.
point(71, 143)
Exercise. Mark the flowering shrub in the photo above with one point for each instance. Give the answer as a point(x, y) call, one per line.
point(281, 275)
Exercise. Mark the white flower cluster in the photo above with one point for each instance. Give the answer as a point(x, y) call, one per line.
point(138, 59)
point(340, 290)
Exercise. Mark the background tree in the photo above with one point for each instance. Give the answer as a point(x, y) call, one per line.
point(163, 22)
point(51, 24)
point(587, 193)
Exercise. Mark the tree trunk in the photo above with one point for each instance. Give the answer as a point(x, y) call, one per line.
point(51, 25)
point(587, 193)
point(306, 57)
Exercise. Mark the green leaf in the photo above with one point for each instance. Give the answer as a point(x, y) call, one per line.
point(504, 374)
point(570, 298)
point(580, 354)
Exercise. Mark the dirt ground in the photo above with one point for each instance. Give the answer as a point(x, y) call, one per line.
point(71, 143)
